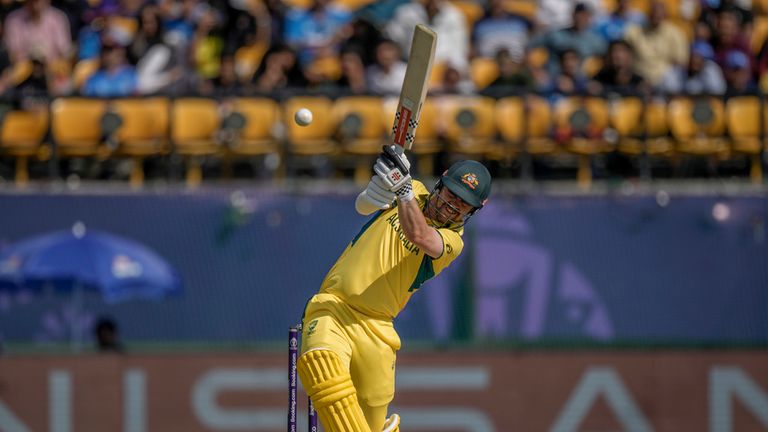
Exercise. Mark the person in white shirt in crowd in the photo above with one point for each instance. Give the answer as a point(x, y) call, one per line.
point(558, 14)
point(500, 30)
point(703, 75)
point(385, 77)
point(442, 17)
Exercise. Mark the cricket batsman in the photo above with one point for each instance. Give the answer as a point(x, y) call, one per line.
point(349, 344)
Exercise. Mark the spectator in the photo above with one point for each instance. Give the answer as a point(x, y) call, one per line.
point(659, 46)
point(513, 75)
point(706, 27)
point(179, 17)
point(364, 36)
point(162, 67)
point(738, 74)
point(226, 83)
point(762, 66)
point(570, 79)
point(115, 76)
point(729, 37)
point(580, 37)
point(107, 336)
point(279, 70)
point(207, 45)
point(277, 11)
point(453, 82)
point(444, 18)
point(38, 30)
point(554, 15)
point(618, 72)
point(319, 29)
point(149, 33)
point(352, 79)
point(34, 91)
point(247, 24)
point(703, 75)
point(387, 75)
point(499, 29)
point(612, 27)
point(6, 68)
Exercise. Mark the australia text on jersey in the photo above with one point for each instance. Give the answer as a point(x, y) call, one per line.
point(394, 220)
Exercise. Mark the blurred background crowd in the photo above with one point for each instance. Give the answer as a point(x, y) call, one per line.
point(137, 47)
point(553, 49)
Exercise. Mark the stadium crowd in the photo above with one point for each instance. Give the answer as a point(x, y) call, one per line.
point(552, 49)
point(138, 47)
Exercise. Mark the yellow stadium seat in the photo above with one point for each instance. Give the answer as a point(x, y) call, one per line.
point(143, 132)
point(471, 10)
point(698, 125)
point(510, 119)
point(743, 123)
point(83, 70)
point(327, 67)
point(247, 60)
point(312, 141)
point(256, 136)
point(510, 122)
point(537, 57)
point(21, 136)
point(525, 8)
point(317, 138)
point(483, 71)
point(361, 130)
point(194, 124)
point(643, 6)
point(427, 140)
point(299, 4)
point(685, 26)
point(436, 74)
point(126, 25)
point(583, 120)
point(760, 7)
point(468, 124)
point(20, 71)
point(591, 66)
point(539, 124)
point(641, 128)
point(351, 5)
point(759, 33)
point(76, 126)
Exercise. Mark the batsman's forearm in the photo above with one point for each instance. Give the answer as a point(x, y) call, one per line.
point(416, 229)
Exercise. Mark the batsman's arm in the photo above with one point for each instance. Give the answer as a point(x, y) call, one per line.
point(416, 229)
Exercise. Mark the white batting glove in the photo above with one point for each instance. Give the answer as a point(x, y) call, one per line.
point(375, 197)
point(378, 194)
point(393, 168)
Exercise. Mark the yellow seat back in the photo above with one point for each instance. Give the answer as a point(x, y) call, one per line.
point(194, 119)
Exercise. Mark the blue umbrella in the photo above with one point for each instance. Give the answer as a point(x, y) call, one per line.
point(77, 260)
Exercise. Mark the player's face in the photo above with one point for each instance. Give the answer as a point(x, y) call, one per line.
point(445, 207)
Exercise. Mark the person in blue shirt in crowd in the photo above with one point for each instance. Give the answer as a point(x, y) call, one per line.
point(115, 76)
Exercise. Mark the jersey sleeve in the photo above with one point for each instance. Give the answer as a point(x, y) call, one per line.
point(453, 244)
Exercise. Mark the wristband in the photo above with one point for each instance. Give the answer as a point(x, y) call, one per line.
point(405, 193)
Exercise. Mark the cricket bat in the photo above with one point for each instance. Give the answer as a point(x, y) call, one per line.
point(415, 84)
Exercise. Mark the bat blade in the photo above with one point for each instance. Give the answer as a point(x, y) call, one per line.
point(415, 85)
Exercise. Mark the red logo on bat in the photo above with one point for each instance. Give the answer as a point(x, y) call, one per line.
point(402, 126)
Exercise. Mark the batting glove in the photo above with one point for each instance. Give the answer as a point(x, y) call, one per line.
point(393, 168)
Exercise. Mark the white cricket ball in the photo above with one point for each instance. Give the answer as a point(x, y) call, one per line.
point(303, 117)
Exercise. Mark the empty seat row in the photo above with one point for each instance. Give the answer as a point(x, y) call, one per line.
point(357, 126)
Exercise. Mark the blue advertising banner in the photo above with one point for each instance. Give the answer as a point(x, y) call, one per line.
point(612, 269)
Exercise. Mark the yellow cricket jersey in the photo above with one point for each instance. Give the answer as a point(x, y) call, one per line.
point(380, 269)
